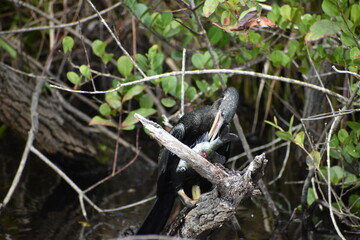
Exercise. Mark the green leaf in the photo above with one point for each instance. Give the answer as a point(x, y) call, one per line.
point(313, 160)
point(334, 141)
point(354, 202)
point(202, 85)
point(168, 84)
point(310, 198)
point(354, 125)
point(140, 10)
point(299, 139)
point(355, 14)
point(8, 48)
point(198, 60)
point(355, 55)
point(321, 29)
point(285, 12)
point(85, 71)
point(124, 66)
point(105, 109)
point(336, 174)
point(342, 135)
point(135, 90)
point(278, 58)
point(284, 135)
point(291, 124)
point(131, 120)
point(146, 101)
point(215, 34)
point(347, 40)
point(114, 100)
point(67, 43)
point(191, 93)
point(352, 151)
point(107, 57)
point(330, 8)
point(97, 120)
point(209, 7)
point(271, 123)
point(141, 60)
point(294, 45)
point(168, 102)
point(98, 47)
point(73, 78)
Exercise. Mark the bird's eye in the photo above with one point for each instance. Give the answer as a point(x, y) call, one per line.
point(222, 114)
point(181, 169)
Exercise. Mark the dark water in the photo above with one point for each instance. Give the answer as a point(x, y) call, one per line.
point(45, 207)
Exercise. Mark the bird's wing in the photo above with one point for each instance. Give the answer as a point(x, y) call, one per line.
point(178, 131)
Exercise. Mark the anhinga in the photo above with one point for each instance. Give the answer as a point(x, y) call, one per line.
point(212, 119)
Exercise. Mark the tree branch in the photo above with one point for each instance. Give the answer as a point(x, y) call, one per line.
point(230, 187)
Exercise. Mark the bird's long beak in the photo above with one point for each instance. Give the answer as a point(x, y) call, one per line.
point(215, 128)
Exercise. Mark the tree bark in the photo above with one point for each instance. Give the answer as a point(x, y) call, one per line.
point(60, 132)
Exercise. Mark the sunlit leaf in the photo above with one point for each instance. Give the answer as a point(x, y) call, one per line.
point(355, 14)
point(105, 109)
point(209, 7)
point(98, 47)
point(131, 120)
point(330, 8)
point(124, 66)
point(313, 161)
point(135, 90)
point(107, 57)
point(284, 135)
point(299, 138)
point(73, 78)
point(97, 120)
point(321, 29)
point(85, 71)
point(67, 43)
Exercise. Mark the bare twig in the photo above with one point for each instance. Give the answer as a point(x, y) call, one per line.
point(212, 71)
point(116, 39)
point(32, 132)
point(182, 83)
point(334, 125)
point(81, 194)
point(207, 41)
point(59, 25)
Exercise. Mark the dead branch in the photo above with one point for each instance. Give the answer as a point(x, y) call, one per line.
point(230, 187)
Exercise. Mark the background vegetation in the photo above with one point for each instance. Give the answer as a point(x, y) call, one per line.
point(297, 72)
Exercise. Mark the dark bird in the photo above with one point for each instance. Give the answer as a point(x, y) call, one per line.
point(190, 128)
point(186, 176)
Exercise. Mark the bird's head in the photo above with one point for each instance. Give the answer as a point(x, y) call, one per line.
point(225, 108)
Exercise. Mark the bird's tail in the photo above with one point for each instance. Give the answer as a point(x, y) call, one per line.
point(158, 216)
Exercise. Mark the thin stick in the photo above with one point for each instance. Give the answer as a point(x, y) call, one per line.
point(59, 25)
point(182, 110)
point(116, 39)
point(212, 71)
point(32, 132)
point(81, 194)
